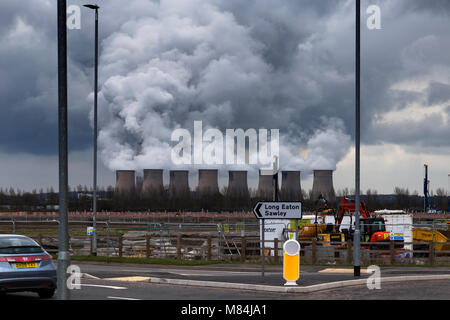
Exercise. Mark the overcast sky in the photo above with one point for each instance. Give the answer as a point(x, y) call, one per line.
point(244, 64)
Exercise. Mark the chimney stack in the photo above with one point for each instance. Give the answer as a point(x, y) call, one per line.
point(265, 186)
point(125, 181)
point(237, 184)
point(153, 182)
point(323, 185)
point(208, 182)
point(139, 182)
point(290, 186)
point(179, 184)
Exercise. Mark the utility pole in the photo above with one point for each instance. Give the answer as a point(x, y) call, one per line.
point(356, 234)
point(94, 198)
point(63, 234)
point(448, 193)
point(94, 206)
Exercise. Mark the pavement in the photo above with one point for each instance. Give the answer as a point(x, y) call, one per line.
point(249, 277)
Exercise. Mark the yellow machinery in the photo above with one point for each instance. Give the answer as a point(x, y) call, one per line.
point(442, 237)
point(309, 231)
point(322, 232)
point(331, 238)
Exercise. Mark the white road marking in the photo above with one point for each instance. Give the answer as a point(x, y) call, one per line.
point(122, 298)
point(340, 270)
point(89, 276)
point(130, 279)
point(102, 286)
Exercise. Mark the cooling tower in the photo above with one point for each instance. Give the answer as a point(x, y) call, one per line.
point(139, 182)
point(237, 184)
point(290, 186)
point(208, 183)
point(265, 186)
point(323, 185)
point(153, 182)
point(179, 183)
point(125, 181)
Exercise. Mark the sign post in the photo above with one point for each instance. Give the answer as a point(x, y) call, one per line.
point(263, 253)
point(275, 210)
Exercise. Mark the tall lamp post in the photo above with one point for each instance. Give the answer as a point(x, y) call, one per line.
point(356, 235)
point(448, 193)
point(94, 198)
point(63, 234)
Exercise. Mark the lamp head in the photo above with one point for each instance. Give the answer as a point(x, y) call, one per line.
point(91, 6)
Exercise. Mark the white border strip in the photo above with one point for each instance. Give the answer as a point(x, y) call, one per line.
point(312, 288)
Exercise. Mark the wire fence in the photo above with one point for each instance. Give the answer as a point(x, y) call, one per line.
point(421, 244)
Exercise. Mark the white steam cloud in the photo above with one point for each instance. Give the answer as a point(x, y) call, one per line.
point(191, 61)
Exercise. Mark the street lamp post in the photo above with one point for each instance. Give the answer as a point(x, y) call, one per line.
point(94, 198)
point(356, 235)
point(63, 234)
point(448, 193)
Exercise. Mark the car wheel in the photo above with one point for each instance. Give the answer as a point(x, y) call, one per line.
point(46, 293)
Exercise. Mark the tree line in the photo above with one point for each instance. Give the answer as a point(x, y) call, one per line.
point(80, 199)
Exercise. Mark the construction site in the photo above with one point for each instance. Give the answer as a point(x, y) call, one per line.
point(325, 231)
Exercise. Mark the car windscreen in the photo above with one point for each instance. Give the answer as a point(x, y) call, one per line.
point(18, 245)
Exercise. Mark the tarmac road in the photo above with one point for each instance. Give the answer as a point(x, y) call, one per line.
point(130, 282)
point(112, 290)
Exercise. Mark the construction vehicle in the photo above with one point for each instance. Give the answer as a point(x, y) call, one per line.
point(372, 229)
point(325, 233)
point(441, 239)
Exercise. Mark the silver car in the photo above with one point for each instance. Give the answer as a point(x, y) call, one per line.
point(25, 266)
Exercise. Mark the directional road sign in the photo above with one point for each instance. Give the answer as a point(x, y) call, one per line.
point(278, 210)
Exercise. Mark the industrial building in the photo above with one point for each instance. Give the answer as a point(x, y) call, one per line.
point(237, 184)
point(179, 184)
point(323, 185)
point(152, 184)
point(290, 186)
point(208, 182)
point(125, 181)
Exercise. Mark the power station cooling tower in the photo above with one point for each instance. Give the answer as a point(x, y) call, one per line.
point(208, 183)
point(265, 186)
point(139, 181)
point(179, 183)
point(237, 184)
point(125, 181)
point(323, 185)
point(153, 182)
point(290, 186)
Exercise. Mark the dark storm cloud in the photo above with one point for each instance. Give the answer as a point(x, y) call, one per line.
point(400, 66)
point(438, 93)
point(28, 82)
point(436, 6)
point(266, 63)
point(429, 131)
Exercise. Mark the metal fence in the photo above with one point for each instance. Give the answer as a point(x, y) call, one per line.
point(226, 241)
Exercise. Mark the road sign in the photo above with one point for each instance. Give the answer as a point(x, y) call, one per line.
point(278, 210)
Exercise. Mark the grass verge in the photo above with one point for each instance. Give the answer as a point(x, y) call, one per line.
point(166, 261)
point(161, 261)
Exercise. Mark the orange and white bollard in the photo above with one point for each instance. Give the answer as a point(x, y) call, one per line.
point(291, 262)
